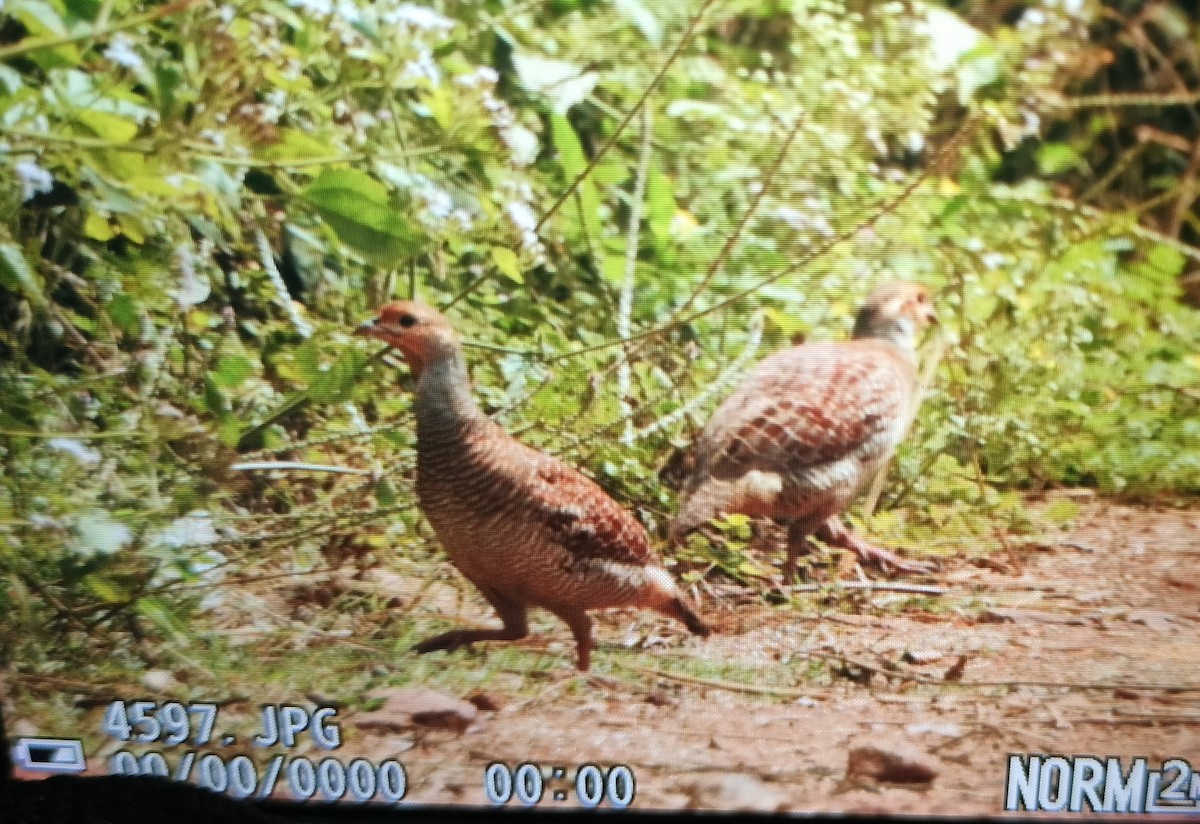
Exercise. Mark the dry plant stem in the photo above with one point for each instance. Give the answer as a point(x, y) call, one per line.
point(92, 33)
point(715, 683)
point(767, 180)
point(265, 466)
point(625, 304)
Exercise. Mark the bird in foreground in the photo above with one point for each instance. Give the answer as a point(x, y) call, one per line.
point(525, 528)
point(810, 426)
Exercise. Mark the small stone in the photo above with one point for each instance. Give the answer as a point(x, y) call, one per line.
point(946, 729)
point(922, 656)
point(896, 762)
point(733, 792)
point(484, 702)
point(158, 680)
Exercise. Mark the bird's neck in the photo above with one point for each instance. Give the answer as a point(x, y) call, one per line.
point(444, 394)
point(899, 332)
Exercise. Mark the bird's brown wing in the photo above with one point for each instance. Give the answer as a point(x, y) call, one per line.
point(808, 407)
point(583, 519)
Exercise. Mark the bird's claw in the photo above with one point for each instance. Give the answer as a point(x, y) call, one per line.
point(448, 641)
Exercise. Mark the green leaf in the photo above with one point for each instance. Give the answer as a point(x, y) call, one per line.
point(1055, 158)
point(97, 227)
point(232, 371)
point(108, 126)
point(106, 589)
point(660, 203)
point(16, 274)
point(508, 263)
point(41, 19)
point(156, 611)
point(356, 206)
point(566, 143)
point(385, 492)
point(123, 312)
point(335, 384)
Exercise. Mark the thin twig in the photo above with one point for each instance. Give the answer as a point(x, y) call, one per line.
point(767, 179)
point(37, 43)
point(632, 239)
point(255, 466)
point(872, 586)
point(731, 686)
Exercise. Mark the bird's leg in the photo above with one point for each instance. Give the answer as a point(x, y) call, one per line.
point(834, 532)
point(516, 625)
point(797, 542)
point(581, 627)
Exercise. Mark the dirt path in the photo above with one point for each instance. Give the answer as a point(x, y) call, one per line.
point(1087, 646)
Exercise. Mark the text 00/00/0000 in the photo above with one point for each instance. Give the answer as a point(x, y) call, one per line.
point(326, 779)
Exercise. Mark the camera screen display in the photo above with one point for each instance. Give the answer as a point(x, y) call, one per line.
point(704, 405)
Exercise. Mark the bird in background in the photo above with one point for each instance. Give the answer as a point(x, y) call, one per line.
point(810, 426)
point(525, 528)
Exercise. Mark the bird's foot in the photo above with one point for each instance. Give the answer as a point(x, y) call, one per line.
point(834, 532)
point(448, 641)
point(888, 562)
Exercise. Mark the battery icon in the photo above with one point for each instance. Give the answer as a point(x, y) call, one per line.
point(54, 755)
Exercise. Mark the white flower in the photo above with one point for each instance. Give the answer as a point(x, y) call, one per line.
point(803, 221)
point(39, 521)
point(915, 141)
point(524, 220)
point(34, 179)
point(84, 454)
point(1032, 18)
point(992, 260)
point(949, 36)
point(120, 51)
point(194, 529)
point(422, 66)
point(418, 17)
point(438, 202)
point(482, 76)
point(521, 142)
point(193, 289)
point(521, 215)
point(226, 13)
point(213, 137)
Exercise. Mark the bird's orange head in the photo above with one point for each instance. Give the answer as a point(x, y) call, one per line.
point(896, 308)
point(420, 332)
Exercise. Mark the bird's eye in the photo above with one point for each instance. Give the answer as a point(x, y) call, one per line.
point(407, 321)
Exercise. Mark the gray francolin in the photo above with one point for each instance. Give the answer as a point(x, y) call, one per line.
point(810, 426)
point(522, 526)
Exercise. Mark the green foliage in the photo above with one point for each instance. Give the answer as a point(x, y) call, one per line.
point(200, 202)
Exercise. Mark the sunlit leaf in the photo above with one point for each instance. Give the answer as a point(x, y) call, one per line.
point(16, 274)
point(358, 208)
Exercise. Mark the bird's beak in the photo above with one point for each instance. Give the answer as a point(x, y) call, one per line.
point(367, 330)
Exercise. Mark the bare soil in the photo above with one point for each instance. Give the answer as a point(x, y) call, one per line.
point(1086, 644)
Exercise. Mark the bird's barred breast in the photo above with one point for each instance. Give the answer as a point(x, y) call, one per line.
point(530, 526)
